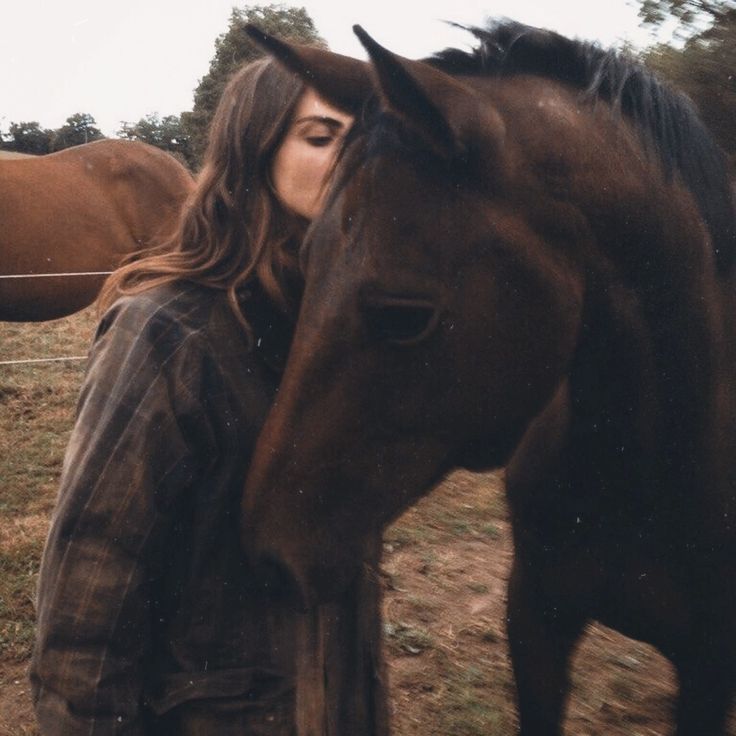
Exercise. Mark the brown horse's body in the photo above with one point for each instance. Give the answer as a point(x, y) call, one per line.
point(510, 274)
point(80, 211)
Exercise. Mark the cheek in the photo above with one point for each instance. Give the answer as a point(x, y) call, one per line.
point(312, 165)
point(298, 173)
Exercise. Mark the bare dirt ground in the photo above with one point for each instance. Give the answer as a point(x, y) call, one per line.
point(446, 563)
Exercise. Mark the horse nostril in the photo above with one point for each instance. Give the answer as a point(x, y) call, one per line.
point(279, 581)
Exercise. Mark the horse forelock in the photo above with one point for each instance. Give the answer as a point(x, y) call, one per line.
point(666, 119)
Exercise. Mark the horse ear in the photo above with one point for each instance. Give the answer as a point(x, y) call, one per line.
point(343, 81)
point(404, 93)
point(446, 112)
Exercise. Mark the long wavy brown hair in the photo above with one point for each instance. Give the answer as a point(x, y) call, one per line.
point(233, 234)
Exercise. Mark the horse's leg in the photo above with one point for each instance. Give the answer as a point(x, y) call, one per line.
point(706, 689)
point(541, 639)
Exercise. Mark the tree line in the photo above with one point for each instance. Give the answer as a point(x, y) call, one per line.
point(184, 135)
point(30, 137)
point(701, 60)
point(703, 63)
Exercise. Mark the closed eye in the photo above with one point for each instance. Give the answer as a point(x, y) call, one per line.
point(400, 321)
point(320, 141)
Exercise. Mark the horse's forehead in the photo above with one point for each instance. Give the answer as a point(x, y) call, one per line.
point(403, 192)
point(407, 240)
point(408, 208)
point(408, 211)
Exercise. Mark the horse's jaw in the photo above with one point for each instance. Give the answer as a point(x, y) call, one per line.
point(300, 575)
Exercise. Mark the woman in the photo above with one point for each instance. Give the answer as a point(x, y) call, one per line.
point(149, 621)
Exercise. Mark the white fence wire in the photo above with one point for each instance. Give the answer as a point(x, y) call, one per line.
point(32, 361)
point(29, 361)
point(52, 275)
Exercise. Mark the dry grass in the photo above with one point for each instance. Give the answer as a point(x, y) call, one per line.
point(445, 563)
point(36, 413)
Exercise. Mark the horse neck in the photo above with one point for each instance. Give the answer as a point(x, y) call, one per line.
point(649, 369)
point(653, 321)
point(651, 387)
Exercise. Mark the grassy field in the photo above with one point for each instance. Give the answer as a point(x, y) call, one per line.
point(36, 413)
point(37, 403)
point(445, 566)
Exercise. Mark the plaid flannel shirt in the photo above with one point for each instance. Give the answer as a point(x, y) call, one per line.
point(145, 605)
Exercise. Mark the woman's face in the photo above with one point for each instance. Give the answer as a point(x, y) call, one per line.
point(304, 159)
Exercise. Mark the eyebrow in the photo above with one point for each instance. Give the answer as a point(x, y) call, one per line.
point(331, 122)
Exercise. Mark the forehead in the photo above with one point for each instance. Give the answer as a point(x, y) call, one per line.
point(311, 105)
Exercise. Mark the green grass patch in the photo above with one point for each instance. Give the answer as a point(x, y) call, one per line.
point(58, 338)
point(480, 588)
point(464, 523)
point(18, 572)
point(36, 418)
point(408, 531)
point(456, 510)
point(473, 702)
point(406, 638)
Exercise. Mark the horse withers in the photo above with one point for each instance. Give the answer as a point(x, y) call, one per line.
point(80, 211)
point(527, 259)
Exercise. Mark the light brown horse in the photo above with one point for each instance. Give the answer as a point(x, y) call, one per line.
point(80, 211)
point(528, 259)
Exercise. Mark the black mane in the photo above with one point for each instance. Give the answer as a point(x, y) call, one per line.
point(667, 119)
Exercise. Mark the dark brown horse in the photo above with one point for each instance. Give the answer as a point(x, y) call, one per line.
point(80, 211)
point(527, 260)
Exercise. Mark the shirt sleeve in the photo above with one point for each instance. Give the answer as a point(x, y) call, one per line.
point(133, 452)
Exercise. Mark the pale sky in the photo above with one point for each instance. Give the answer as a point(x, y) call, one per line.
point(123, 60)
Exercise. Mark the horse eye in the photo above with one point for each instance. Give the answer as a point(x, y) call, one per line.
point(400, 322)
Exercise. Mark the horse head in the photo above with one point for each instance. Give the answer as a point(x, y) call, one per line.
point(436, 322)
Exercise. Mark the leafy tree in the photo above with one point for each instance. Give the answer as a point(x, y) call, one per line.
point(705, 66)
point(234, 48)
point(690, 15)
point(27, 137)
point(79, 128)
point(166, 133)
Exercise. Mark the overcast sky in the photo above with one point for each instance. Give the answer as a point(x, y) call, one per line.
point(123, 60)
